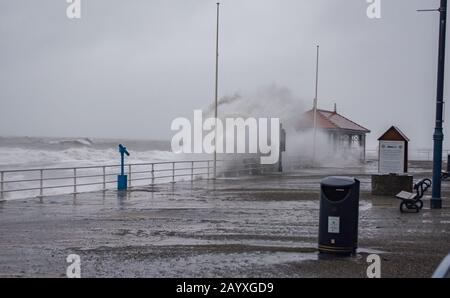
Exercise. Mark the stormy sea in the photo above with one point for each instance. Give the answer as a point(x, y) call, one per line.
point(32, 152)
point(96, 162)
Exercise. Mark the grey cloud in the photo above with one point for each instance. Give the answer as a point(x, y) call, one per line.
point(127, 68)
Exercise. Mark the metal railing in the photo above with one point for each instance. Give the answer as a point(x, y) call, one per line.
point(43, 181)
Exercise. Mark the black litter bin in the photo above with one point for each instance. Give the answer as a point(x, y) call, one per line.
point(339, 212)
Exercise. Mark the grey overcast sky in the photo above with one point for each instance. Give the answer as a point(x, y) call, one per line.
point(128, 68)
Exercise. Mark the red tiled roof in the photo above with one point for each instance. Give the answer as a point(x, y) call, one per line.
point(329, 120)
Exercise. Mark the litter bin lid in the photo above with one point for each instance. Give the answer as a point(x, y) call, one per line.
point(338, 181)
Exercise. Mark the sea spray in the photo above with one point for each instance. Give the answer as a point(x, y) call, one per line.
point(279, 102)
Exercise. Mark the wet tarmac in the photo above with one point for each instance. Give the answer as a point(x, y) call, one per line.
point(255, 226)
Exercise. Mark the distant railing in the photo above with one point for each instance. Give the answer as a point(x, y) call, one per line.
point(44, 181)
point(419, 154)
point(38, 182)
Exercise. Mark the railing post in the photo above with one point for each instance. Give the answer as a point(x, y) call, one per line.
point(74, 180)
point(153, 173)
point(104, 178)
point(1, 185)
point(41, 183)
point(208, 170)
point(173, 172)
point(192, 171)
point(129, 175)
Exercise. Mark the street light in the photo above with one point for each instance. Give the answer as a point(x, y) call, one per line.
point(438, 137)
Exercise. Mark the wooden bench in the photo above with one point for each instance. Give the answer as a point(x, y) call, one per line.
point(413, 200)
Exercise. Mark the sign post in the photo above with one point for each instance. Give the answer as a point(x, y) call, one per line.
point(392, 174)
point(393, 152)
point(392, 157)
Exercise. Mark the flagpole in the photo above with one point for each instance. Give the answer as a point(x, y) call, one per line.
point(315, 106)
point(216, 92)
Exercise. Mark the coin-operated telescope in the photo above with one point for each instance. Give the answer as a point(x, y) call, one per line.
point(122, 178)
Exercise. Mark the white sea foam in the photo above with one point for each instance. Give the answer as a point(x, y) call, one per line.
point(11, 158)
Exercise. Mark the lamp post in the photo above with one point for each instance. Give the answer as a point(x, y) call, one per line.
point(438, 136)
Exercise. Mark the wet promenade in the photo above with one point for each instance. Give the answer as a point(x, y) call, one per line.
point(255, 226)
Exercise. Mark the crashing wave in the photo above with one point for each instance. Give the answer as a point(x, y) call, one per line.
point(73, 142)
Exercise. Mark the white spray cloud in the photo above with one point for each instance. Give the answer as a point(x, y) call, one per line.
point(279, 102)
